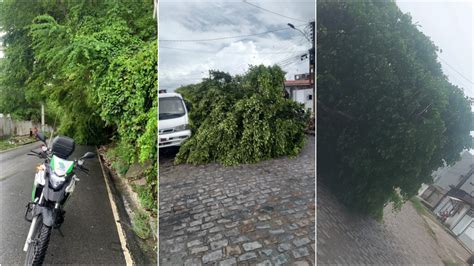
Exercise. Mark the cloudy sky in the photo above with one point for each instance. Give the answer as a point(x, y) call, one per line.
point(449, 24)
point(185, 62)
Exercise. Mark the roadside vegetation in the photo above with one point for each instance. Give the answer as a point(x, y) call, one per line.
point(424, 214)
point(387, 115)
point(242, 119)
point(13, 142)
point(94, 66)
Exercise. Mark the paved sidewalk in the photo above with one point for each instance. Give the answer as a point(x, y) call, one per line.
point(248, 214)
point(403, 238)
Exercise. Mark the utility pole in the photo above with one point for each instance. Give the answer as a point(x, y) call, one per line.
point(42, 117)
point(312, 57)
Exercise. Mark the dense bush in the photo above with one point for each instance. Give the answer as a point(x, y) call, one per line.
point(387, 116)
point(93, 64)
point(242, 119)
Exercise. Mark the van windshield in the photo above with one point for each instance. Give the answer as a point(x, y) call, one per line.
point(170, 107)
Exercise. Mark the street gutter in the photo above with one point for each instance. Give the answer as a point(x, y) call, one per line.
point(132, 251)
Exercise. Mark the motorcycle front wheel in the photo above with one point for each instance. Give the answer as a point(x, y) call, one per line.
point(40, 241)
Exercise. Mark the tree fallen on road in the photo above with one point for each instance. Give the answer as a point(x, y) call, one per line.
point(242, 119)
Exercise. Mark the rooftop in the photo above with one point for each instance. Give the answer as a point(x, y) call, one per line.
point(300, 82)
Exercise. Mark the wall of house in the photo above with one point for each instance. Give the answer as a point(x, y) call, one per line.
point(447, 205)
point(303, 96)
point(450, 176)
point(468, 186)
point(432, 196)
point(463, 223)
point(467, 236)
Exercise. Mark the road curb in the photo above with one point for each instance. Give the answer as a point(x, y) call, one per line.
point(118, 222)
point(122, 219)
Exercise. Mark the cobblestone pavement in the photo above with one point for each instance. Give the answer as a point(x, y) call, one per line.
point(405, 237)
point(258, 214)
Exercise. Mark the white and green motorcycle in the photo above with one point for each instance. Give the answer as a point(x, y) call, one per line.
point(54, 182)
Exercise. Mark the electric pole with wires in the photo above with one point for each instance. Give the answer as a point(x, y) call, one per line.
point(312, 57)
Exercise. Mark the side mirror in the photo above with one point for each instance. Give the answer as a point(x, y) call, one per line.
point(88, 155)
point(41, 137)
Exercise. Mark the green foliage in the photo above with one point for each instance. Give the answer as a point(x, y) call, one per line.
point(387, 116)
point(242, 119)
point(146, 198)
point(93, 63)
point(121, 155)
point(140, 224)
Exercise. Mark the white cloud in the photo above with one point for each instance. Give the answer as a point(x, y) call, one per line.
point(184, 63)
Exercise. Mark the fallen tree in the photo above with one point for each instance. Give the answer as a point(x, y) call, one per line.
point(242, 119)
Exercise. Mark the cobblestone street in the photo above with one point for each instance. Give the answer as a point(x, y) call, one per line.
point(248, 214)
point(403, 238)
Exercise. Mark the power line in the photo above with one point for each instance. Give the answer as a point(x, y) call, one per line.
point(213, 52)
point(273, 12)
point(229, 37)
point(455, 70)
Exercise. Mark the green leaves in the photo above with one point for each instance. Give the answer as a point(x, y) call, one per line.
point(94, 65)
point(387, 116)
point(242, 119)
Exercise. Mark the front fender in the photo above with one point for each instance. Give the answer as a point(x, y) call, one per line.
point(48, 216)
point(47, 213)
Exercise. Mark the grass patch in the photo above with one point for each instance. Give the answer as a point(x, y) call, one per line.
point(418, 206)
point(423, 212)
point(5, 145)
point(120, 156)
point(140, 224)
point(16, 141)
point(146, 197)
point(449, 263)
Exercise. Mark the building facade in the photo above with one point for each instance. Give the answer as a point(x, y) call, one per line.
point(451, 198)
point(301, 90)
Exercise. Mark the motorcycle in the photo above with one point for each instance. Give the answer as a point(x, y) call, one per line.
point(54, 182)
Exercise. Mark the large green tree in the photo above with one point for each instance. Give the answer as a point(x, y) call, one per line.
point(17, 65)
point(93, 63)
point(387, 116)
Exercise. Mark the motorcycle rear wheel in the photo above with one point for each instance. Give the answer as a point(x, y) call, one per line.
point(37, 248)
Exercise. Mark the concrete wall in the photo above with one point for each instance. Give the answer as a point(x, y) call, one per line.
point(467, 237)
point(10, 127)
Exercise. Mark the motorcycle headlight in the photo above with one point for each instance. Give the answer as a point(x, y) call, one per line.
point(181, 127)
point(55, 180)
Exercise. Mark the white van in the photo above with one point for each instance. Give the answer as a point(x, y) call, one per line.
point(173, 124)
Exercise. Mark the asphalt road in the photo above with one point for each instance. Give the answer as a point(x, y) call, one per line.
point(90, 234)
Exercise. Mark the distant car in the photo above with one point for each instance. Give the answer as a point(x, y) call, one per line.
point(173, 125)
